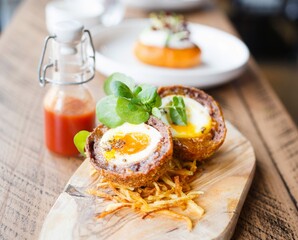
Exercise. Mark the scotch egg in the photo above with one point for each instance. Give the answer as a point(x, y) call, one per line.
point(131, 155)
point(205, 130)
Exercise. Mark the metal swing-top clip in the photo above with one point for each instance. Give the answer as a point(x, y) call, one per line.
point(69, 34)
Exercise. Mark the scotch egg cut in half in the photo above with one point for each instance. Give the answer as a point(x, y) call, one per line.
point(131, 155)
point(205, 130)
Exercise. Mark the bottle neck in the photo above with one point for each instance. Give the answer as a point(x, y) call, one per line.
point(71, 64)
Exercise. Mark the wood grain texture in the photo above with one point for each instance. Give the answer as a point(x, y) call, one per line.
point(269, 212)
point(224, 179)
point(32, 178)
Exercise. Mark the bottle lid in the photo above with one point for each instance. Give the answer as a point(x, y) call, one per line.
point(69, 32)
point(67, 39)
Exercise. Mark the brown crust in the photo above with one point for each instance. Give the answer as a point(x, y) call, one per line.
point(135, 174)
point(202, 147)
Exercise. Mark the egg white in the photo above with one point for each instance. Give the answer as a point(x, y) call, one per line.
point(196, 113)
point(126, 128)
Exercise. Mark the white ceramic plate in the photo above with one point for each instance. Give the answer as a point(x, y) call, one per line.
point(168, 5)
point(224, 57)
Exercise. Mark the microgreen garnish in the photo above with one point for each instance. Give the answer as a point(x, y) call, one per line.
point(127, 102)
point(156, 112)
point(120, 89)
point(149, 97)
point(131, 112)
point(117, 77)
point(174, 24)
point(178, 112)
point(106, 112)
point(168, 21)
point(80, 140)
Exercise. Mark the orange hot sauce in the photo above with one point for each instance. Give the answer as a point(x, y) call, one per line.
point(60, 129)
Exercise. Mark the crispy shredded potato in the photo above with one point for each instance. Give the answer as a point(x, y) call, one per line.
point(171, 193)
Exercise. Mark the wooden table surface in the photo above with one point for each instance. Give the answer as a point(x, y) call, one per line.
point(32, 178)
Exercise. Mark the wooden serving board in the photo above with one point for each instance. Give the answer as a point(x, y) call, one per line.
point(225, 180)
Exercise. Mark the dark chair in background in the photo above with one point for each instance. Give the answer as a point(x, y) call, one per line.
point(269, 28)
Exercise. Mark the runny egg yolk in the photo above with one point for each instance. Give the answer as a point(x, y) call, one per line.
point(129, 143)
point(132, 142)
point(187, 130)
point(190, 130)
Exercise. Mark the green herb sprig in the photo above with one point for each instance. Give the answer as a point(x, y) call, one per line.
point(178, 111)
point(128, 102)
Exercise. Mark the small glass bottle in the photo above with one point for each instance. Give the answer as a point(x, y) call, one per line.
point(68, 104)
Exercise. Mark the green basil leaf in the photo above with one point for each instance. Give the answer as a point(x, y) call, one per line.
point(148, 94)
point(119, 89)
point(176, 117)
point(157, 102)
point(178, 111)
point(124, 110)
point(175, 101)
point(181, 102)
point(80, 141)
point(128, 81)
point(106, 112)
point(136, 101)
point(137, 90)
point(132, 107)
point(156, 112)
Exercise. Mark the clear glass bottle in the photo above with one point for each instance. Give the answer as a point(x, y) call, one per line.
point(68, 104)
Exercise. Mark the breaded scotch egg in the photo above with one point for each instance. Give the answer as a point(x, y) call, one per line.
point(131, 155)
point(205, 130)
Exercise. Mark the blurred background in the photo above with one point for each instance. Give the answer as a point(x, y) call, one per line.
point(268, 27)
point(270, 30)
